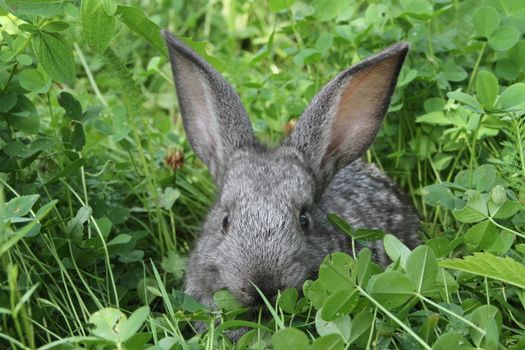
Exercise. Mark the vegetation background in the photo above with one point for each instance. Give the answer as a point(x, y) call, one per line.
point(101, 196)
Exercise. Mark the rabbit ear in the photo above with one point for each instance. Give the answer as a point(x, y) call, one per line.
point(343, 119)
point(214, 118)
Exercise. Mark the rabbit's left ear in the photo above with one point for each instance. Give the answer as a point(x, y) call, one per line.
point(214, 118)
point(343, 119)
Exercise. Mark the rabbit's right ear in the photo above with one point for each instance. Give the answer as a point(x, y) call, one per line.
point(343, 119)
point(214, 118)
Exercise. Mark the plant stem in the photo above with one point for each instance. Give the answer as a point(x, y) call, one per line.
point(453, 314)
point(506, 228)
point(104, 245)
point(476, 66)
point(521, 146)
point(370, 336)
point(89, 75)
point(394, 318)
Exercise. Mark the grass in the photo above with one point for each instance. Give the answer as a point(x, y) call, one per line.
point(102, 196)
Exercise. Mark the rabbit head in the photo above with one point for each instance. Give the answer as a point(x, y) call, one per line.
point(266, 228)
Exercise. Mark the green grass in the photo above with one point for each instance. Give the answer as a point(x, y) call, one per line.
point(102, 197)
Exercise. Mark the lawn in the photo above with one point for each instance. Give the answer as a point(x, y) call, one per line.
point(102, 197)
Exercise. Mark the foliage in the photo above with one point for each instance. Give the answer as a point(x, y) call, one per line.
point(101, 196)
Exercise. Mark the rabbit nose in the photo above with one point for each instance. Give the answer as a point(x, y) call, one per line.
point(267, 285)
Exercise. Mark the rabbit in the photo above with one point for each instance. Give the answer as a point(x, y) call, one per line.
point(268, 226)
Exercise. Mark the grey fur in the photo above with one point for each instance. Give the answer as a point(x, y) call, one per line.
point(263, 191)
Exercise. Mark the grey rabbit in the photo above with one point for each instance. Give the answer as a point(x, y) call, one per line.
point(269, 224)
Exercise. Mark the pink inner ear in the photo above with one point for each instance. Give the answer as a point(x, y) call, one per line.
point(202, 119)
point(358, 113)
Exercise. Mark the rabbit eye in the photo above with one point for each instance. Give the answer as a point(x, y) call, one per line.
point(225, 223)
point(304, 220)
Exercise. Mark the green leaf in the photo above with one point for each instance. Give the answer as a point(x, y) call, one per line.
point(288, 299)
point(466, 99)
point(289, 338)
point(27, 229)
point(168, 197)
point(453, 72)
point(341, 326)
point(361, 323)
point(140, 341)
point(507, 69)
point(28, 28)
point(326, 10)
point(406, 76)
point(279, 5)
point(24, 59)
point(75, 226)
point(438, 194)
point(513, 98)
point(474, 211)
point(517, 55)
point(334, 272)
point(504, 38)
point(340, 223)
point(481, 236)
point(442, 161)
point(97, 26)
point(485, 19)
point(68, 169)
point(484, 177)
point(363, 266)
point(122, 238)
point(132, 325)
point(307, 56)
point(441, 246)
point(390, 288)
point(55, 27)
point(422, 269)
point(138, 22)
point(339, 304)
point(7, 101)
point(174, 263)
point(315, 292)
point(487, 88)
point(226, 300)
point(47, 8)
point(417, 8)
point(395, 249)
point(327, 342)
point(445, 282)
point(429, 328)
point(78, 137)
point(121, 126)
point(436, 117)
point(55, 55)
point(365, 234)
point(24, 116)
point(451, 341)
point(506, 210)
point(324, 42)
point(107, 322)
point(110, 6)
point(488, 318)
point(504, 269)
point(71, 105)
point(18, 206)
point(33, 80)
point(144, 290)
point(502, 244)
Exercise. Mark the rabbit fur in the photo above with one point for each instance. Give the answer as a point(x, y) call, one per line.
point(268, 225)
